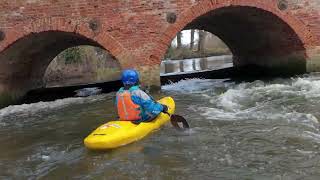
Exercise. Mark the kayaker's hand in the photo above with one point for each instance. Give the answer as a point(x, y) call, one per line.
point(165, 108)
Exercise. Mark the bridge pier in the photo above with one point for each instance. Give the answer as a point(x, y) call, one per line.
point(313, 61)
point(10, 95)
point(150, 77)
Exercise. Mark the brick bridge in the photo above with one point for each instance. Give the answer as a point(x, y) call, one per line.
point(279, 34)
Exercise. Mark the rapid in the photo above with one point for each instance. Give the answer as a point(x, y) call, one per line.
point(240, 130)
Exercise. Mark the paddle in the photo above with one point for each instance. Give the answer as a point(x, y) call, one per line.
point(176, 119)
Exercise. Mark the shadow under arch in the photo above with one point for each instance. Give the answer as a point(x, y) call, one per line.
point(24, 62)
point(257, 37)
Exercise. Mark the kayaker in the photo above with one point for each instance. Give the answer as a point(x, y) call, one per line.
point(133, 104)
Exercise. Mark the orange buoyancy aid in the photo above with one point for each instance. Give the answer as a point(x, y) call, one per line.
point(127, 109)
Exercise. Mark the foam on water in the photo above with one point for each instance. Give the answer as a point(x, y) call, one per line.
point(33, 108)
point(194, 85)
point(308, 87)
point(283, 107)
point(88, 91)
point(255, 100)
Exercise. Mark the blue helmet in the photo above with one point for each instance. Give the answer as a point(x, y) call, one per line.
point(130, 77)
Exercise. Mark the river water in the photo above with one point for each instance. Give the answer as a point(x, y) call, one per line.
point(170, 67)
point(249, 130)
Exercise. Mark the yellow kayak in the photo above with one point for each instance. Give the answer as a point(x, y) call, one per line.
point(119, 133)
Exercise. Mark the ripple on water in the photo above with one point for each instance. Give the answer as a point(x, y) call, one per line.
point(29, 110)
point(254, 130)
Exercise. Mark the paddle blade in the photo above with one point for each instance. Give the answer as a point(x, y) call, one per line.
point(176, 119)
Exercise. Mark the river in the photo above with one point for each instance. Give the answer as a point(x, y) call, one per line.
point(248, 130)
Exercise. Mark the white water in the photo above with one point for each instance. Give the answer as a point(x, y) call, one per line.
point(88, 91)
point(254, 100)
point(26, 110)
point(249, 130)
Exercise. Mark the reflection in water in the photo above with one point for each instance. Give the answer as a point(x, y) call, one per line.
point(198, 64)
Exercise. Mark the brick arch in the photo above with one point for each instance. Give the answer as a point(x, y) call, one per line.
point(80, 27)
point(22, 67)
point(204, 7)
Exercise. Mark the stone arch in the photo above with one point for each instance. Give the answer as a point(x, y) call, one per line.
point(188, 19)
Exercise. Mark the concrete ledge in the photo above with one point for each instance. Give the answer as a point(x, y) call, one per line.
point(53, 93)
point(212, 74)
point(313, 62)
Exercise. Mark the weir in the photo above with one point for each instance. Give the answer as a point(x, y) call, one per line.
point(217, 67)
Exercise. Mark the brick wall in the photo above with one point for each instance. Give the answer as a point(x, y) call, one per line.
point(138, 32)
point(137, 26)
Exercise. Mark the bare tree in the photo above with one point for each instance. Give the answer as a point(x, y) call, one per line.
point(192, 39)
point(179, 36)
point(202, 37)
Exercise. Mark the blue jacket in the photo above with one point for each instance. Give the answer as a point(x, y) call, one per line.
point(149, 108)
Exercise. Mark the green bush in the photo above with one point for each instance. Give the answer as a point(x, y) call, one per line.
point(72, 55)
